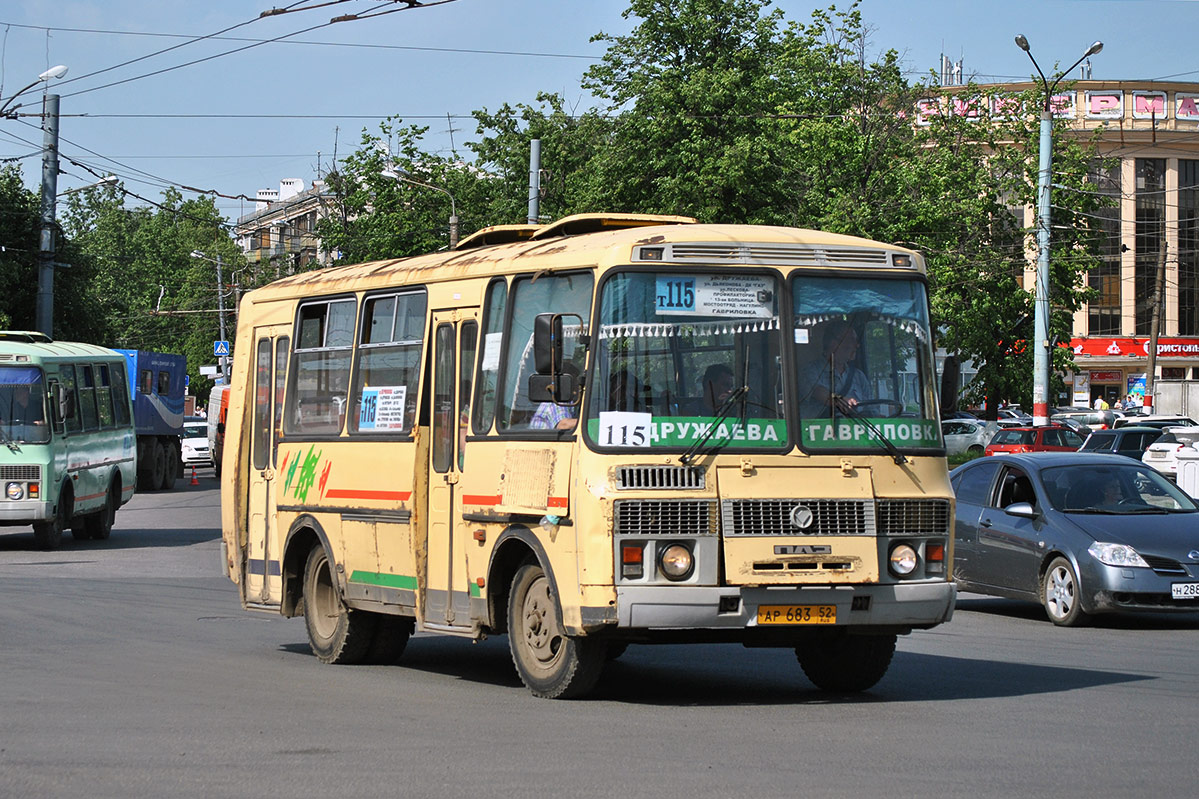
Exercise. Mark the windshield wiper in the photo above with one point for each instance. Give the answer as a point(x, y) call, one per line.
point(892, 450)
point(722, 413)
point(8, 442)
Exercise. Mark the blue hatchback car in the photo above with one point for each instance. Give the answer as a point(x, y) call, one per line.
point(1080, 533)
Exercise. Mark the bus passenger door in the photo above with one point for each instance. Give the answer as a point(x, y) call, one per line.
point(263, 581)
point(455, 339)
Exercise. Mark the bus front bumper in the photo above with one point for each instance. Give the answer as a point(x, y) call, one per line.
point(677, 607)
point(24, 512)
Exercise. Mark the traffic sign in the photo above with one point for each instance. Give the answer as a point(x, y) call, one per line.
point(220, 348)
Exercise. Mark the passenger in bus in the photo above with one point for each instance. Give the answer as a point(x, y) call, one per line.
point(718, 383)
point(834, 382)
point(551, 415)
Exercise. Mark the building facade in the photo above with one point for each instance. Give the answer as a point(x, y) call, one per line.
point(281, 230)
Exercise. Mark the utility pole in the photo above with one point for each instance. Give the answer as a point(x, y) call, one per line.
point(45, 251)
point(220, 304)
point(1155, 321)
point(534, 181)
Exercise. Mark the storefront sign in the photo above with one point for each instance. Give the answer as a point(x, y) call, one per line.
point(1107, 377)
point(1105, 105)
point(1135, 347)
point(1148, 105)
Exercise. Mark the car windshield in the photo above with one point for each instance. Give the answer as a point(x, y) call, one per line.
point(688, 357)
point(22, 405)
point(1015, 437)
point(864, 361)
point(1096, 441)
point(195, 431)
point(1113, 489)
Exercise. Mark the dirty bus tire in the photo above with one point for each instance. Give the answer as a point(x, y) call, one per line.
point(336, 633)
point(48, 535)
point(99, 525)
point(390, 639)
point(846, 663)
point(551, 664)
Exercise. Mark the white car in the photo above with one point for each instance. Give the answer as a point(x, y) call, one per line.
point(195, 443)
point(1162, 454)
point(967, 435)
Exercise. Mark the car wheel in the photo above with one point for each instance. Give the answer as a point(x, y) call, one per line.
point(975, 450)
point(1060, 594)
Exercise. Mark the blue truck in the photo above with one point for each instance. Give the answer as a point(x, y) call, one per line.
point(159, 381)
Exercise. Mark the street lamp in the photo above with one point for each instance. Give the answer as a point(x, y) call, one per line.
point(108, 180)
point(220, 304)
point(47, 76)
point(395, 173)
point(1041, 360)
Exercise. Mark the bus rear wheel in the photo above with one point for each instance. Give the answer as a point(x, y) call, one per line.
point(846, 663)
point(551, 664)
point(336, 633)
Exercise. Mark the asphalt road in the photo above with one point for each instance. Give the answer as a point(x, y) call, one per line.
point(127, 669)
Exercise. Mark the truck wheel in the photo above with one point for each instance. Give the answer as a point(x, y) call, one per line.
point(149, 473)
point(170, 466)
point(846, 663)
point(48, 535)
point(336, 633)
point(550, 663)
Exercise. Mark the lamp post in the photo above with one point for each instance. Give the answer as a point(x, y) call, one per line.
point(44, 310)
point(395, 173)
point(220, 304)
point(1041, 360)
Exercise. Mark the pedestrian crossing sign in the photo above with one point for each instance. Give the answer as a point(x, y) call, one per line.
point(220, 348)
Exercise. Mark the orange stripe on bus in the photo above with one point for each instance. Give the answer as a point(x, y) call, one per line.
point(481, 499)
point(348, 493)
point(557, 502)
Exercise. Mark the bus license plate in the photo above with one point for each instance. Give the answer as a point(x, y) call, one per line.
point(797, 614)
point(1185, 590)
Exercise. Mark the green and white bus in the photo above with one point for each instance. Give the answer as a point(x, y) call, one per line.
point(67, 446)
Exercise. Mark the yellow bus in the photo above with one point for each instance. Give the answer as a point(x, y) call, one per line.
point(608, 430)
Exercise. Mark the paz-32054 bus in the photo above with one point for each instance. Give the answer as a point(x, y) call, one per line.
point(605, 431)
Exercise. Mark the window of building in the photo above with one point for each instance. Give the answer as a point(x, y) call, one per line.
point(1150, 233)
point(1103, 313)
point(1188, 248)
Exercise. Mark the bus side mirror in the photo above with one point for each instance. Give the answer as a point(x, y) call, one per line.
point(547, 343)
point(560, 389)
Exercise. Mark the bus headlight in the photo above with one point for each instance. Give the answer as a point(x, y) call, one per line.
point(675, 562)
point(903, 560)
point(15, 491)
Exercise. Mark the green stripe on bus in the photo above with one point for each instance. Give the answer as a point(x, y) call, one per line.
point(474, 589)
point(385, 580)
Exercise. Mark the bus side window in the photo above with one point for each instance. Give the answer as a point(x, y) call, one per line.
point(104, 395)
point(145, 382)
point(468, 343)
point(120, 395)
point(388, 363)
point(319, 378)
point(489, 365)
point(164, 383)
point(87, 396)
point(67, 374)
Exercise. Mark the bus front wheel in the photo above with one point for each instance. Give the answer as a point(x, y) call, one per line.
point(551, 664)
point(846, 663)
point(48, 535)
point(336, 633)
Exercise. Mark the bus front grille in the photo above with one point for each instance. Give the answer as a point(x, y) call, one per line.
point(650, 478)
point(913, 517)
point(665, 517)
point(743, 517)
point(20, 473)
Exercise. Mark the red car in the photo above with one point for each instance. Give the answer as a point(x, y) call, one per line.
point(1051, 438)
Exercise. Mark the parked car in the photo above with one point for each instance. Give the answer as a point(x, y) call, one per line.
point(969, 436)
point(195, 442)
point(1157, 420)
point(1130, 442)
point(1049, 438)
point(1096, 420)
point(957, 415)
point(1162, 454)
point(1079, 533)
point(1074, 424)
point(1013, 416)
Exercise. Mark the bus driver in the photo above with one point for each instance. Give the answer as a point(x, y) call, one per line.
point(849, 386)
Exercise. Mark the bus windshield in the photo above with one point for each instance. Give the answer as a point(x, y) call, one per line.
point(22, 405)
point(688, 358)
point(864, 361)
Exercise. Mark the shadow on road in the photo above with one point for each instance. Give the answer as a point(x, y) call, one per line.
point(12, 539)
point(1031, 611)
point(728, 674)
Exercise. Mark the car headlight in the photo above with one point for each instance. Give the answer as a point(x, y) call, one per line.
point(903, 560)
point(676, 562)
point(1116, 555)
point(15, 491)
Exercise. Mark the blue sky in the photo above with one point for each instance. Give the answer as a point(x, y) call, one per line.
point(241, 122)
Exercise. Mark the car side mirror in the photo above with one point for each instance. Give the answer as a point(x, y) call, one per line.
point(1022, 509)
